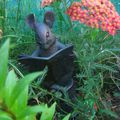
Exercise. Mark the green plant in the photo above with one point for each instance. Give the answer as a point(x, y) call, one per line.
point(98, 81)
point(14, 94)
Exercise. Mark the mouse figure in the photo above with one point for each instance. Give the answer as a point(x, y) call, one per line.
point(47, 42)
point(60, 70)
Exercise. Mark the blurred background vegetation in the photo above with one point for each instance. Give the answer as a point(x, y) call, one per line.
point(97, 54)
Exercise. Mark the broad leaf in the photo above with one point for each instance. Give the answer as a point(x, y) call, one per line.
point(32, 110)
point(20, 103)
point(22, 85)
point(9, 86)
point(3, 63)
point(66, 117)
point(4, 116)
point(48, 113)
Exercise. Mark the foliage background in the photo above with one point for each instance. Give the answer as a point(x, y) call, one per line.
point(97, 53)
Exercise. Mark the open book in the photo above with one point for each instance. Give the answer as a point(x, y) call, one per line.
point(38, 63)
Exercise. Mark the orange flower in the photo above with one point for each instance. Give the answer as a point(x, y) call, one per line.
point(46, 2)
point(96, 13)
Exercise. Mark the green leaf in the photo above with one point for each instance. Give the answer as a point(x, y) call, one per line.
point(3, 64)
point(66, 117)
point(31, 117)
point(20, 103)
point(94, 33)
point(31, 110)
point(48, 113)
point(4, 116)
point(108, 112)
point(9, 86)
point(23, 99)
point(21, 85)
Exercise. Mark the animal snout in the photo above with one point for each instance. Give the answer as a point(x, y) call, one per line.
point(43, 45)
point(46, 46)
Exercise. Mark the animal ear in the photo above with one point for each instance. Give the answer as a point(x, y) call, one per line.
point(49, 18)
point(30, 20)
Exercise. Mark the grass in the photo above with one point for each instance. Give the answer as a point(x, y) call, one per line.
point(97, 54)
point(98, 70)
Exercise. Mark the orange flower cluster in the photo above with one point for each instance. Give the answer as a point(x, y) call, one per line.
point(46, 2)
point(96, 14)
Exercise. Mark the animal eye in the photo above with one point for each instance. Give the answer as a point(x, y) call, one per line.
point(47, 34)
